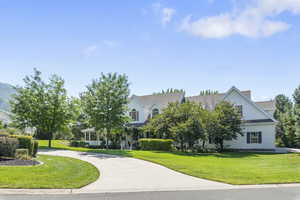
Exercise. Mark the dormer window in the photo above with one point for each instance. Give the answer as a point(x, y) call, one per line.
point(155, 112)
point(134, 114)
point(239, 109)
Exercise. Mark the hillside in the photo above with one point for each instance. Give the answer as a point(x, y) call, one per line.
point(6, 91)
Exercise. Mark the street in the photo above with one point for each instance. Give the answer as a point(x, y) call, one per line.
point(283, 193)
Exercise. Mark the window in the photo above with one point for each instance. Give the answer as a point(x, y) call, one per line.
point(254, 138)
point(134, 115)
point(239, 109)
point(155, 112)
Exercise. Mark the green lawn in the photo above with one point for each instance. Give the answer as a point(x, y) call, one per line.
point(234, 168)
point(56, 172)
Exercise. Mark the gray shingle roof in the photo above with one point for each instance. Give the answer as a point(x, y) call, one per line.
point(267, 105)
point(210, 101)
point(161, 100)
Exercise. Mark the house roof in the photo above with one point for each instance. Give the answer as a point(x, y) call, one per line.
point(210, 101)
point(267, 105)
point(158, 99)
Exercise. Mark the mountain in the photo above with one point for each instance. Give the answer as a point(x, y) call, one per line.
point(6, 91)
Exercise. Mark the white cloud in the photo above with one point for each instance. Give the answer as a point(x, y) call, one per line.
point(166, 14)
point(256, 20)
point(90, 50)
point(110, 43)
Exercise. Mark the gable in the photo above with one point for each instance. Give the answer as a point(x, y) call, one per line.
point(250, 110)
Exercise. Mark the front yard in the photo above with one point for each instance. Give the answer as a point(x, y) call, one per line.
point(56, 172)
point(233, 168)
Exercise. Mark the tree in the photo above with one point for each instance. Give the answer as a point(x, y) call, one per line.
point(105, 102)
point(285, 117)
point(80, 120)
point(170, 91)
point(296, 97)
point(43, 106)
point(208, 92)
point(227, 124)
point(181, 122)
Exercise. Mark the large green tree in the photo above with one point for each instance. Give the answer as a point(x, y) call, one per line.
point(42, 105)
point(227, 124)
point(181, 122)
point(105, 102)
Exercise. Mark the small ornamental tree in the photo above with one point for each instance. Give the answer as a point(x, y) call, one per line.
point(105, 103)
point(227, 126)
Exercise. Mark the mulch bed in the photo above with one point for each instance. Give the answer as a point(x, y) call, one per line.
point(14, 162)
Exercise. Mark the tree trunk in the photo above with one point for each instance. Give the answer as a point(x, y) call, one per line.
point(181, 145)
point(49, 143)
point(221, 146)
point(50, 140)
point(203, 144)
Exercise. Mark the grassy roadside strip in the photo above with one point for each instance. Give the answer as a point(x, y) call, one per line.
point(55, 173)
point(230, 167)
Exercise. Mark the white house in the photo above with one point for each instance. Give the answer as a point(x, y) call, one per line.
point(258, 122)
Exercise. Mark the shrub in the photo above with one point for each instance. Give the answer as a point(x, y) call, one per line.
point(8, 146)
point(78, 143)
point(25, 142)
point(35, 148)
point(22, 154)
point(156, 144)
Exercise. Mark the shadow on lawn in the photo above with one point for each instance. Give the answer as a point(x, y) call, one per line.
point(122, 153)
point(220, 155)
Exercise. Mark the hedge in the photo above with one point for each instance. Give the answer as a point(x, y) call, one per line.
point(26, 142)
point(78, 143)
point(22, 154)
point(8, 146)
point(156, 144)
point(35, 148)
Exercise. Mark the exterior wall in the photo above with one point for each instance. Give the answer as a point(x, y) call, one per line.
point(144, 112)
point(249, 111)
point(268, 137)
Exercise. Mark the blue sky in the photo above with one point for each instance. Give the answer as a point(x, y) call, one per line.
point(193, 44)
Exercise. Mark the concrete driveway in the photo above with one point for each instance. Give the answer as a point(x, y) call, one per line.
point(122, 174)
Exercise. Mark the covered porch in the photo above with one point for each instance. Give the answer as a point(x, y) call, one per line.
point(91, 137)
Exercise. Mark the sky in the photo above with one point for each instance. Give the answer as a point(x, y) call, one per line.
point(192, 45)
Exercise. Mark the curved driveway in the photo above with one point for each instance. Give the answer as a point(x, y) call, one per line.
point(123, 174)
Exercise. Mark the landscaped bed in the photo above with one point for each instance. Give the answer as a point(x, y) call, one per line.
point(233, 168)
point(17, 162)
point(55, 173)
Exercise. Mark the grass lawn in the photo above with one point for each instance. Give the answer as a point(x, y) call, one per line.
point(56, 172)
point(233, 168)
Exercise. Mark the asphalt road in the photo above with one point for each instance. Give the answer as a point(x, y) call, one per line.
point(285, 193)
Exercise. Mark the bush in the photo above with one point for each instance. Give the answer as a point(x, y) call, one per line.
point(35, 148)
point(78, 143)
point(22, 154)
point(25, 142)
point(8, 146)
point(156, 144)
